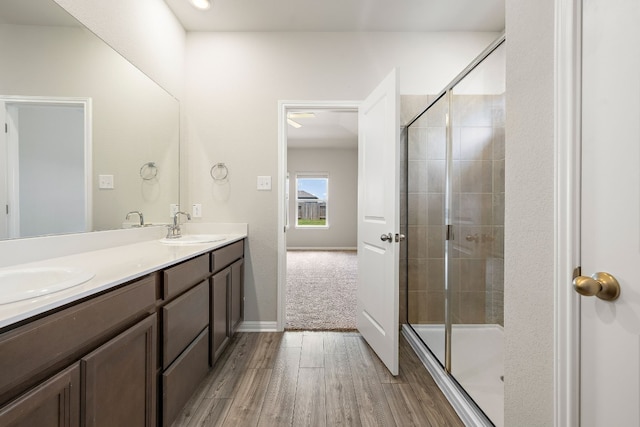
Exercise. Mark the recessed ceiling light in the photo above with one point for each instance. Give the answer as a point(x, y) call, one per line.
point(201, 4)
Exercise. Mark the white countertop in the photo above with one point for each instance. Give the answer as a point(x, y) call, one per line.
point(112, 266)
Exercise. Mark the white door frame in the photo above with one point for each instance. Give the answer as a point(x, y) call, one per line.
point(567, 142)
point(11, 143)
point(283, 107)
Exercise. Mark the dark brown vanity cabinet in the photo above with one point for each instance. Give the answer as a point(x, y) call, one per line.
point(236, 298)
point(70, 368)
point(185, 334)
point(219, 306)
point(226, 295)
point(53, 403)
point(131, 356)
point(119, 379)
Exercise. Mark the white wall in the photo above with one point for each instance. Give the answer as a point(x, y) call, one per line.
point(144, 31)
point(233, 84)
point(342, 167)
point(529, 214)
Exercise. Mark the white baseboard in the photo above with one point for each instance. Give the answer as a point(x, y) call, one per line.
point(331, 248)
point(257, 326)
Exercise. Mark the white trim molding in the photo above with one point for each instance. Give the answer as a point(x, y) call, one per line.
point(283, 106)
point(257, 326)
point(567, 211)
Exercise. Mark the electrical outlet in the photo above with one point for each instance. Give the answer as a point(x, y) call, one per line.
point(196, 210)
point(173, 209)
point(264, 183)
point(105, 182)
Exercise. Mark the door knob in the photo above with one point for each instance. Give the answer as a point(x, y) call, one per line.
point(400, 237)
point(602, 285)
point(387, 237)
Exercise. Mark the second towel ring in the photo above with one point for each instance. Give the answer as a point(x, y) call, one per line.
point(148, 171)
point(219, 171)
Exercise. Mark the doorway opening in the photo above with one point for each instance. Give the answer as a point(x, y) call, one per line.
point(317, 255)
point(39, 196)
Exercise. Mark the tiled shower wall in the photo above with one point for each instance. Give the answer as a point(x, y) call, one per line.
point(477, 257)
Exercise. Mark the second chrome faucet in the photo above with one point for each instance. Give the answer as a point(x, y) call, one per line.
point(174, 231)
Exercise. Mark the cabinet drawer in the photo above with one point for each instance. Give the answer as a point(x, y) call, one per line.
point(224, 256)
point(183, 377)
point(185, 275)
point(36, 350)
point(182, 319)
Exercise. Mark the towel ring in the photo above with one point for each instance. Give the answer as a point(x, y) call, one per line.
point(219, 171)
point(148, 171)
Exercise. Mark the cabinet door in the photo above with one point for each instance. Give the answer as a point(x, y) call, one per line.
point(53, 403)
point(218, 324)
point(236, 296)
point(119, 379)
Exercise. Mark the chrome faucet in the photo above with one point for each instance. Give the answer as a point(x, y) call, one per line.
point(174, 231)
point(136, 213)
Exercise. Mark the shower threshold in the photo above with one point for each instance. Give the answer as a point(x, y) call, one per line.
point(477, 366)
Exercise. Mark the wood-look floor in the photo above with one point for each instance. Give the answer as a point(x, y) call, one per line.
point(315, 379)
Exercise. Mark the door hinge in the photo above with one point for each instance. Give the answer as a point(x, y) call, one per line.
point(7, 208)
point(6, 128)
point(450, 235)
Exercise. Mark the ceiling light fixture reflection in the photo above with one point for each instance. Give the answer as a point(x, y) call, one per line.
point(201, 4)
point(294, 124)
point(301, 115)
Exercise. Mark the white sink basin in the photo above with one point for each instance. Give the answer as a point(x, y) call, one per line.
point(194, 239)
point(27, 283)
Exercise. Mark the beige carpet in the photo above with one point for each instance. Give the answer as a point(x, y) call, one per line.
point(321, 290)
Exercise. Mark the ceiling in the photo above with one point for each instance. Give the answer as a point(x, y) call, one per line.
point(343, 15)
point(327, 129)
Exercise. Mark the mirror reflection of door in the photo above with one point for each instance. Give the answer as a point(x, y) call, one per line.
point(45, 187)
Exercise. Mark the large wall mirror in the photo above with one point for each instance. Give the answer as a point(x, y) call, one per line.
point(88, 137)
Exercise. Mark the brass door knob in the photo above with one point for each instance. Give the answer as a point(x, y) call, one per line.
point(602, 285)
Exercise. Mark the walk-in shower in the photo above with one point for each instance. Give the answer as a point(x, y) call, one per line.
point(455, 160)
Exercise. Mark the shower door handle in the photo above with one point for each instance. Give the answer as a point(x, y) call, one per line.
point(602, 285)
point(387, 237)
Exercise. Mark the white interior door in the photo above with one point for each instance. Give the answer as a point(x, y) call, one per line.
point(610, 234)
point(378, 221)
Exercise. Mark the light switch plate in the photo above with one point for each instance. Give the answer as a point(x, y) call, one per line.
point(196, 210)
point(105, 182)
point(264, 183)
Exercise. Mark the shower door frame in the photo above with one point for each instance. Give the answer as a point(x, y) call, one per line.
point(464, 405)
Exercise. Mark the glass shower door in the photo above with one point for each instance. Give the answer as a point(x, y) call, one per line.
point(426, 166)
point(476, 255)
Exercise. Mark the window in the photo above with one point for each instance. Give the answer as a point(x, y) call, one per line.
point(312, 191)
